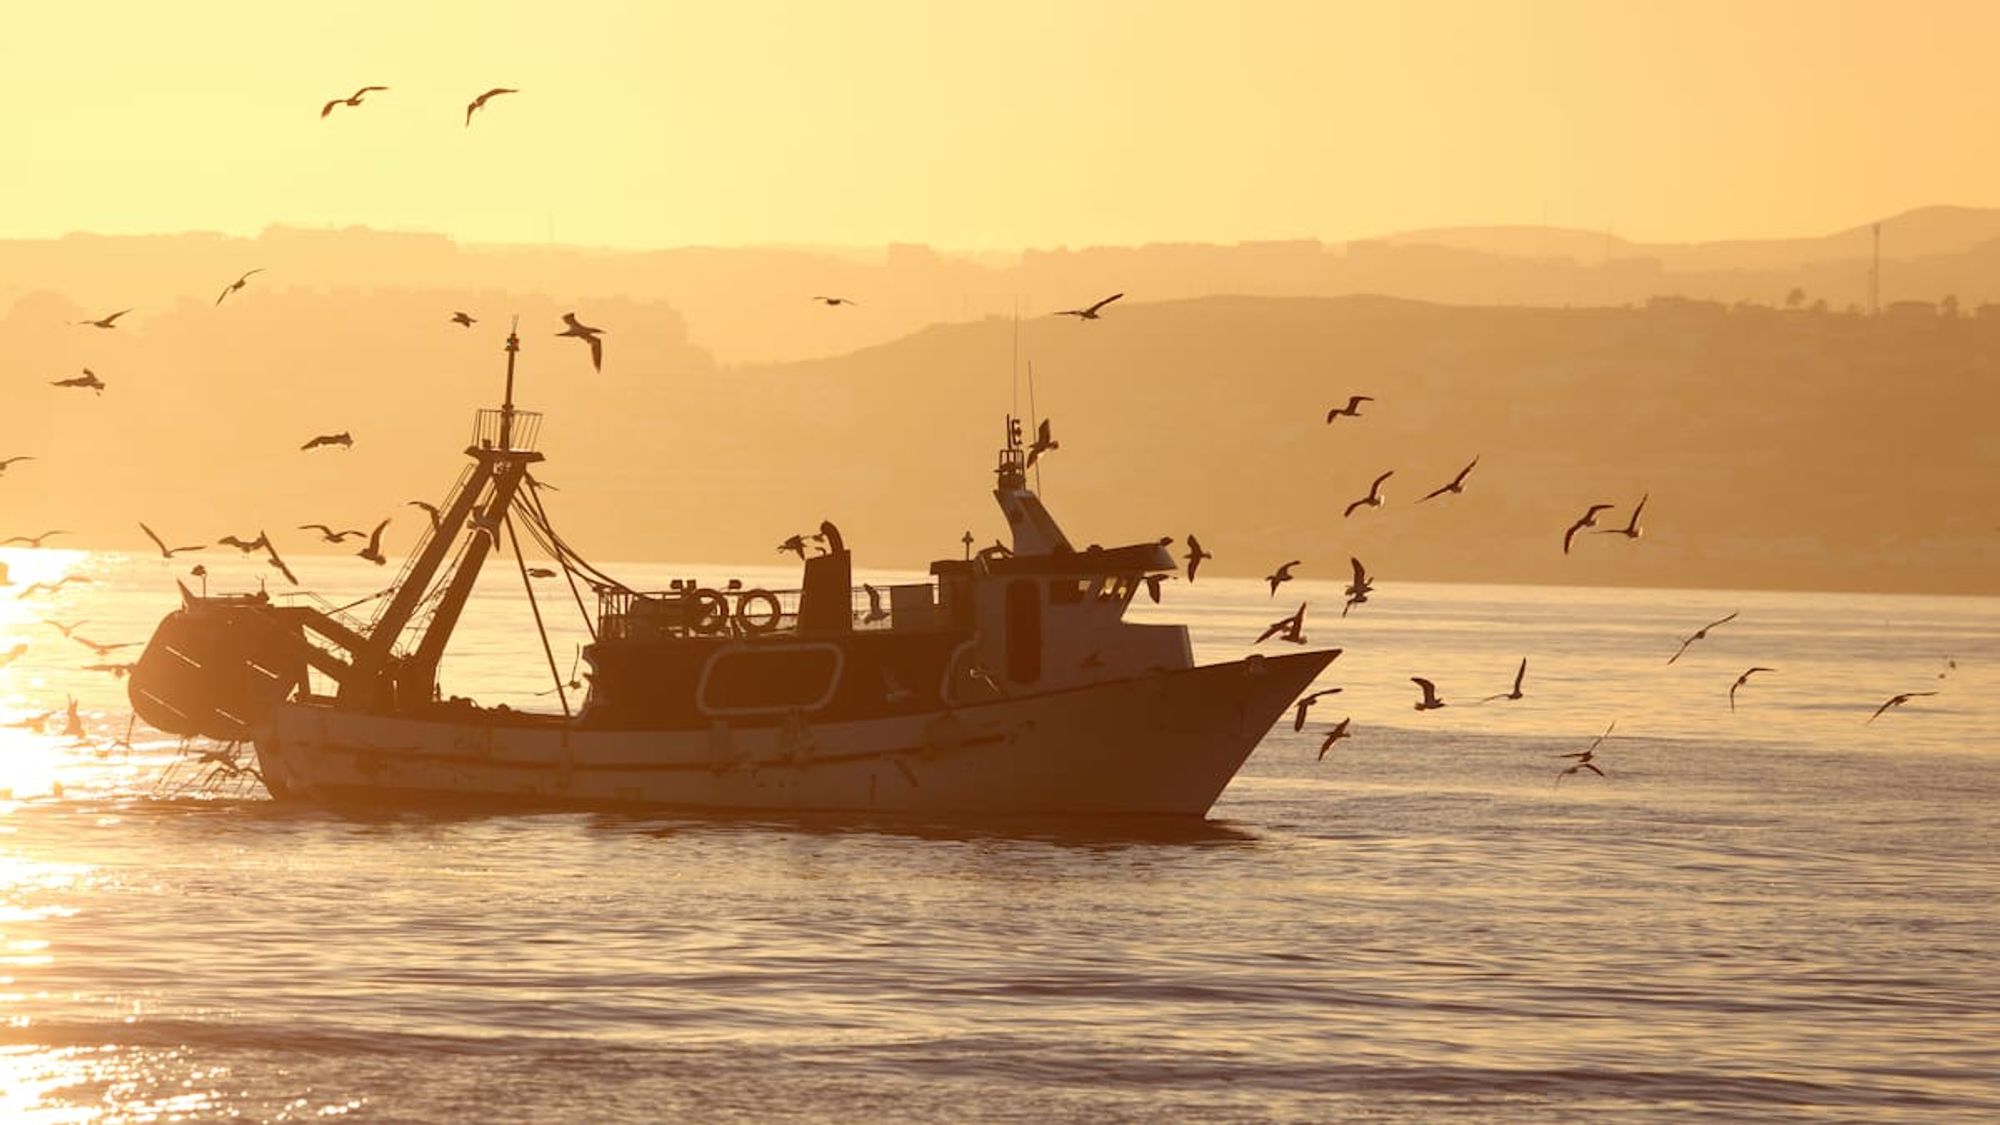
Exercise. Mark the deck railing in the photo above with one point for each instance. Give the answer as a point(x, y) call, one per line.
point(697, 611)
point(520, 438)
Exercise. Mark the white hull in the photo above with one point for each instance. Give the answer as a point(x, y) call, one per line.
point(1162, 744)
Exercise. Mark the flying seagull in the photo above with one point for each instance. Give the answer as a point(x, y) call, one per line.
point(31, 540)
point(237, 284)
point(430, 510)
point(1358, 590)
point(1091, 312)
point(104, 322)
point(1740, 680)
point(1516, 692)
point(832, 301)
point(1351, 410)
point(244, 545)
point(1457, 484)
point(795, 543)
point(1374, 497)
point(1631, 530)
point(167, 552)
point(1896, 701)
point(588, 334)
point(373, 551)
point(329, 535)
point(480, 101)
point(1287, 628)
point(1043, 443)
point(1700, 634)
point(1588, 519)
point(1283, 574)
point(1338, 732)
point(464, 319)
point(1194, 556)
point(4, 462)
point(343, 439)
point(351, 99)
point(1430, 701)
point(1305, 704)
point(87, 379)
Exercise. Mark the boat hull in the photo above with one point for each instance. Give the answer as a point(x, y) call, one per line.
point(1161, 744)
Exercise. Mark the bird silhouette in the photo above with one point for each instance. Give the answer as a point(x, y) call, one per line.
point(373, 551)
point(329, 535)
point(1740, 681)
point(1700, 634)
point(52, 587)
point(833, 301)
point(1287, 628)
point(351, 99)
point(31, 540)
point(1374, 497)
point(1583, 762)
point(1351, 410)
point(237, 284)
point(1588, 519)
point(1897, 701)
point(343, 439)
point(430, 510)
point(875, 610)
point(1516, 692)
point(1457, 484)
point(480, 101)
point(167, 552)
point(65, 630)
point(1338, 732)
point(1300, 708)
point(1091, 312)
point(88, 379)
point(588, 335)
point(1194, 556)
point(463, 319)
point(1631, 530)
point(1430, 701)
point(540, 572)
point(1152, 582)
point(110, 321)
point(244, 545)
point(1282, 574)
point(1043, 443)
point(1358, 590)
point(795, 544)
point(4, 462)
point(101, 649)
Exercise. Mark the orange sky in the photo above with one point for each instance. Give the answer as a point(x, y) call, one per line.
point(993, 125)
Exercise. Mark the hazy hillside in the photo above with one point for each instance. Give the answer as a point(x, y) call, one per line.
point(1780, 449)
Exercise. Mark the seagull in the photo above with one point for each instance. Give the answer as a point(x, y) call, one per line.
point(1588, 519)
point(832, 301)
point(463, 319)
point(235, 285)
point(1516, 693)
point(244, 545)
point(104, 322)
point(1457, 483)
point(1896, 701)
point(343, 439)
point(1194, 556)
point(1430, 701)
point(1740, 681)
point(102, 650)
point(65, 630)
point(31, 540)
point(87, 379)
point(1091, 312)
point(430, 510)
point(1289, 628)
point(1357, 591)
point(1351, 410)
point(795, 543)
point(4, 462)
point(373, 551)
point(52, 587)
point(118, 671)
point(1284, 574)
point(1699, 634)
point(1305, 704)
point(875, 610)
point(1338, 732)
point(351, 99)
point(167, 552)
point(540, 572)
point(1043, 443)
point(1583, 762)
point(588, 334)
point(482, 99)
point(1631, 530)
point(1152, 582)
point(1374, 497)
point(329, 535)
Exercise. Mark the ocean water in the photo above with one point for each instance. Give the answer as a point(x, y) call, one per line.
point(1779, 911)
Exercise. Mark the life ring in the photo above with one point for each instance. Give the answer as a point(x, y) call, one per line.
point(757, 625)
point(708, 612)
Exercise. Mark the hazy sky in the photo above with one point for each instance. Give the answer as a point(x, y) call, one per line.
point(993, 125)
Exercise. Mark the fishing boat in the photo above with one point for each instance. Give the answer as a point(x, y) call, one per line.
point(1008, 683)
